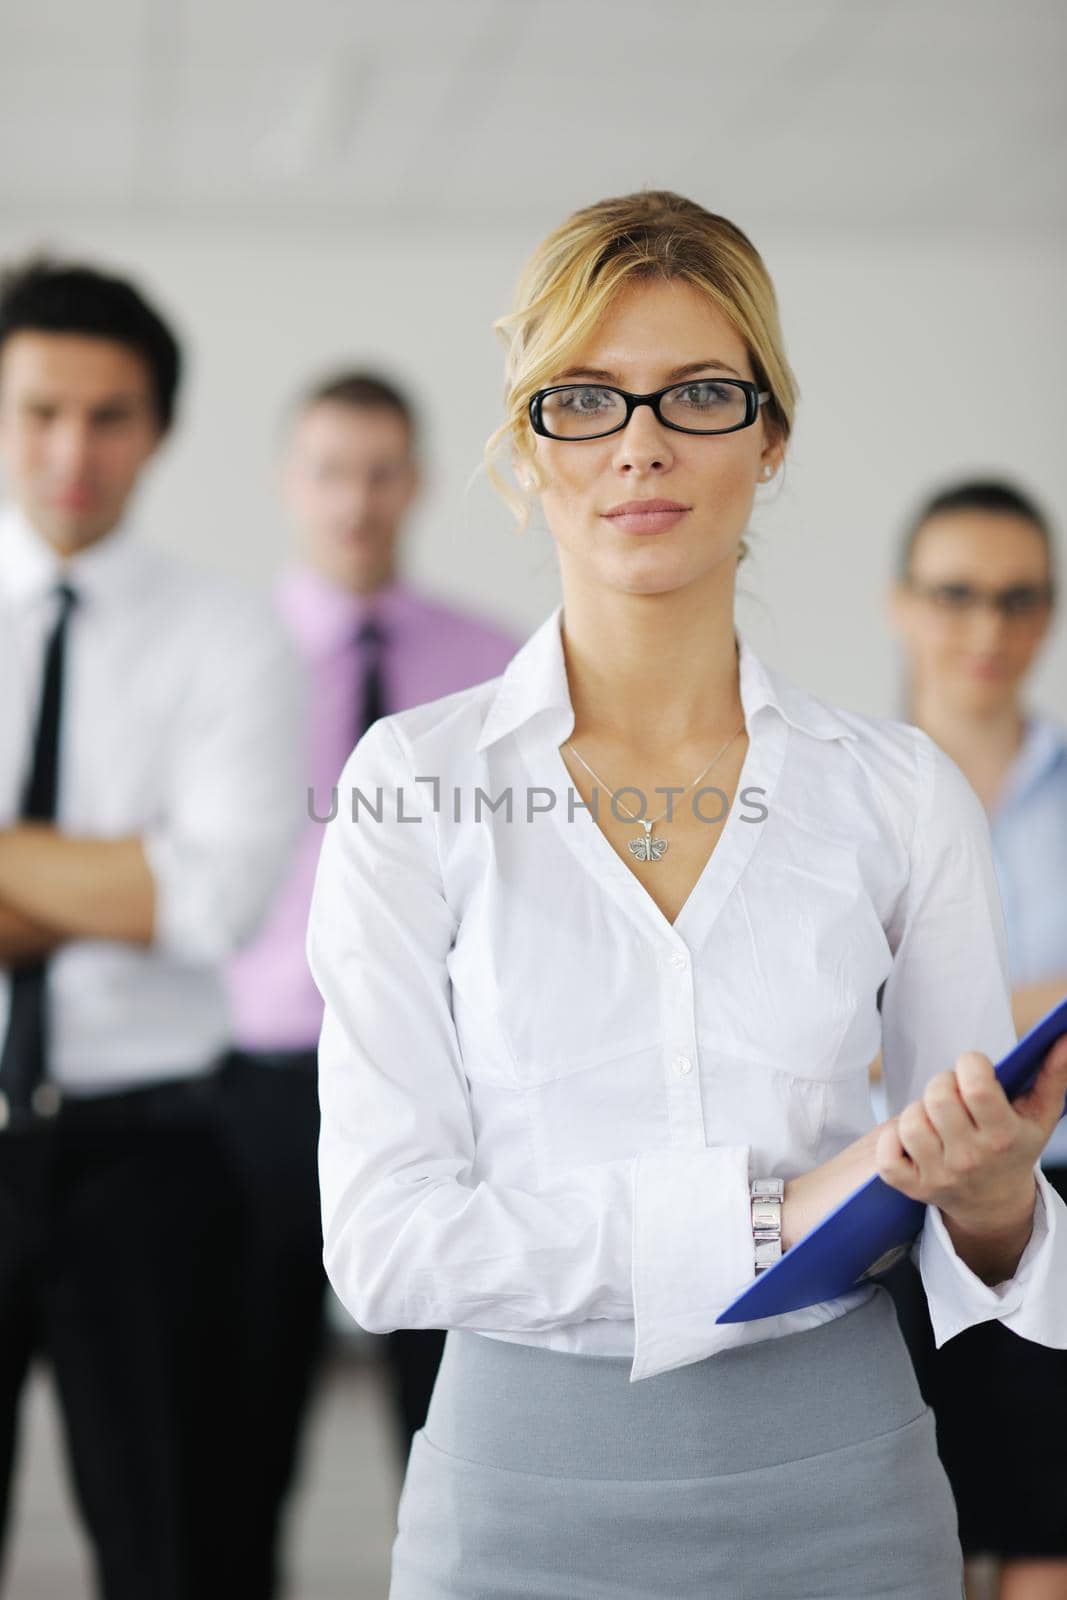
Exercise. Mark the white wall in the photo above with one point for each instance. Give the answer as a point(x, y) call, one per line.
point(919, 357)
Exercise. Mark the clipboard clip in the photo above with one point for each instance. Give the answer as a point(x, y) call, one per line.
point(884, 1262)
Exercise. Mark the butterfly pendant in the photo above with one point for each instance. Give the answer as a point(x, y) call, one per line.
point(648, 848)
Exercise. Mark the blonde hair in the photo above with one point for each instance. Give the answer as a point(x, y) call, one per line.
point(574, 275)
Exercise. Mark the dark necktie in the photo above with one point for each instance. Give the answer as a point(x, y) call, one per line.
point(24, 1059)
point(370, 702)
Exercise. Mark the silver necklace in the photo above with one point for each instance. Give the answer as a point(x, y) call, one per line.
point(647, 847)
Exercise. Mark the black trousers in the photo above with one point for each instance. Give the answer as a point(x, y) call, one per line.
point(412, 1356)
point(1000, 1403)
point(271, 1115)
point(117, 1232)
point(271, 1120)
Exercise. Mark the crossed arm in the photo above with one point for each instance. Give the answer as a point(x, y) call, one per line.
point(54, 887)
point(22, 939)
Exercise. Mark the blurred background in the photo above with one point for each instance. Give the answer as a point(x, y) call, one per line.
point(304, 186)
point(300, 185)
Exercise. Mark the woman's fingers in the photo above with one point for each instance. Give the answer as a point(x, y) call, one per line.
point(986, 1102)
point(962, 1120)
point(964, 1148)
point(920, 1139)
point(894, 1165)
point(950, 1117)
point(1043, 1101)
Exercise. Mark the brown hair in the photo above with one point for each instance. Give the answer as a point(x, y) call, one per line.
point(362, 390)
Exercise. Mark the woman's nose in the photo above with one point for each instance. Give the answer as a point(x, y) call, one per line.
point(644, 444)
point(988, 623)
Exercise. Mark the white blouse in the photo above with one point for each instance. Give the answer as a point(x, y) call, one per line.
point(542, 1101)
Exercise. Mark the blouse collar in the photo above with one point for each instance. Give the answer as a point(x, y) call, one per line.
point(534, 683)
point(1043, 748)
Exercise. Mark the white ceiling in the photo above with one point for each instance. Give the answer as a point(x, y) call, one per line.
point(801, 111)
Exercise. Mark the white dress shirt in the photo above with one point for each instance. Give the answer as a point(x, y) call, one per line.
point(180, 724)
point(542, 1101)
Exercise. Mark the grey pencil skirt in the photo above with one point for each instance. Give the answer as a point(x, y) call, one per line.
point(801, 1468)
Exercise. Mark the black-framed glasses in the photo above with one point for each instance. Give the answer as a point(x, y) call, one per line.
point(593, 410)
point(1018, 602)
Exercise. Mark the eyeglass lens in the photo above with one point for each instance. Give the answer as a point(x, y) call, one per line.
point(960, 599)
point(579, 410)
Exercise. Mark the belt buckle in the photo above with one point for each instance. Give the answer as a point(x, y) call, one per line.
point(46, 1100)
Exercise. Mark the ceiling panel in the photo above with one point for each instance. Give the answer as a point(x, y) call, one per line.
point(824, 110)
point(55, 30)
point(86, 150)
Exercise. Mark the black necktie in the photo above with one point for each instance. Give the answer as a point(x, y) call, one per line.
point(370, 703)
point(23, 1061)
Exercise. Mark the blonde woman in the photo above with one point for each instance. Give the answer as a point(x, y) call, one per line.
point(601, 943)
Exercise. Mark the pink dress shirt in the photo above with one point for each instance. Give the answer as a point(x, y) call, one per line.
point(432, 649)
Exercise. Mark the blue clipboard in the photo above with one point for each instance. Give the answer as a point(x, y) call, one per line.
point(874, 1225)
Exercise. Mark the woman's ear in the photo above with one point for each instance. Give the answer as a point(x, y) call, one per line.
point(770, 461)
point(772, 454)
point(897, 608)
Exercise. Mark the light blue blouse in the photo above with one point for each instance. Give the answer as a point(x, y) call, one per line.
point(1028, 826)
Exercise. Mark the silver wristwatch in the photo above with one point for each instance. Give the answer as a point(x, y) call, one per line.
point(766, 1196)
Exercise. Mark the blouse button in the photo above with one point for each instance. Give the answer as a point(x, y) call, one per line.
point(678, 960)
point(683, 1064)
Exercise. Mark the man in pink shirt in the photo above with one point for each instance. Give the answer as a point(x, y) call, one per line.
point(373, 644)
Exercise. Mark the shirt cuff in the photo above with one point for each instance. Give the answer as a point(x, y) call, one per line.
point(208, 897)
point(692, 1252)
point(1032, 1303)
point(175, 930)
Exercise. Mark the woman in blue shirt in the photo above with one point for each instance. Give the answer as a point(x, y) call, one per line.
point(972, 606)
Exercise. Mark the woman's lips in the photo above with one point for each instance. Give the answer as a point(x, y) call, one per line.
point(987, 667)
point(653, 516)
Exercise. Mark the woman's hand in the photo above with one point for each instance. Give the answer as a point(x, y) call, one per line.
point(963, 1147)
point(967, 1149)
point(812, 1196)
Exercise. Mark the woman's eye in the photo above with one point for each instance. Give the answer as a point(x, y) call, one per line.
point(703, 396)
point(1022, 601)
point(587, 400)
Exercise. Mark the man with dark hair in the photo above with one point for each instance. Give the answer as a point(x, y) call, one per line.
point(42, 296)
point(148, 794)
point(374, 644)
